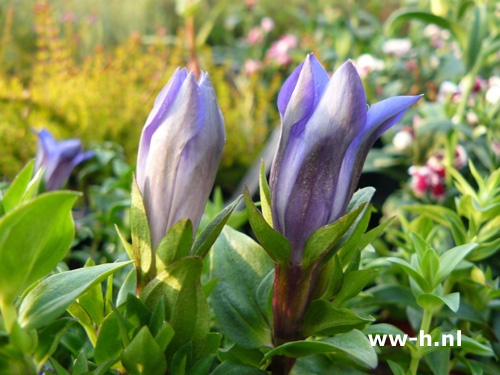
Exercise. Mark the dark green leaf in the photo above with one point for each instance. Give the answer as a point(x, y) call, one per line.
point(232, 368)
point(49, 337)
point(353, 283)
point(241, 265)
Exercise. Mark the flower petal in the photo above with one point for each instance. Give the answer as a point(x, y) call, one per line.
point(381, 116)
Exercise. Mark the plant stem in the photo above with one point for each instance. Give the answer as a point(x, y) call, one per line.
point(9, 314)
point(415, 354)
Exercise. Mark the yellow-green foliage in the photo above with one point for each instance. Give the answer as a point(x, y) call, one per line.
point(109, 94)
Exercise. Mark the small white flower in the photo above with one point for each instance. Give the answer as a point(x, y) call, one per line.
point(403, 140)
point(366, 63)
point(493, 95)
point(397, 47)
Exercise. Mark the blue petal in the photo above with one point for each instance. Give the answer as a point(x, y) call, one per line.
point(381, 116)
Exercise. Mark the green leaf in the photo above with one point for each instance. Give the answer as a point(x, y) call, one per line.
point(395, 368)
point(141, 236)
point(330, 279)
point(209, 235)
point(242, 265)
point(353, 283)
point(109, 342)
point(275, 244)
point(354, 343)
point(103, 368)
point(49, 337)
point(430, 301)
point(265, 196)
point(81, 365)
point(239, 354)
point(165, 335)
point(186, 307)
point(93, 301)
point(397, 18)
point(420, 245)
point(15, 193)
point(323, 239)
point(209, 286)
point(84, 319)
point(449, 260)
point(137, 313)
point(58, 368)
point(477, 32)
point(34, 238)
point(412, 272)
point(175, 245)
point(181, 359)
point(439, 361)
point(49, 299)
point(143, 356)
point(127, 246)
point(202, 366)
point(444, 216)
point(323, 319)
point(231, 368)
point(430, 267)
point(129, 286)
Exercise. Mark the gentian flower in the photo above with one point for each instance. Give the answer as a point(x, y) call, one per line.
point(179, 152)
point(58, 158)
point(326, 133)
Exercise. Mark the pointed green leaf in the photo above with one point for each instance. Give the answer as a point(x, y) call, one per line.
point(412, 272)
point(137, 313)
point(323, 239)
point(450, 259)
point(353, 283)
point(81, 365)
point(231, 368)
point(275, 244)
point(49, 299)
point(164, 335)
point(143, 356)
point(175, 245)
point(323, 319)
point(33, 242)
point(207, 237)
point(432, 301)
point(265, 195)
point(128, 247)
point(49, 337)
point(141, 236)
point(15, 193)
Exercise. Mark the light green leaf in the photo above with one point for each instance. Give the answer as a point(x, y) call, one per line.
point(265, 195)
point(175, 245)
point(449, 260)
point(186, 307)
point(15, 193)
point(275, 244)
point(141, 236)
point(209, 235)
point(430, 301)
point(242, 265)
point(34, 238)
point(395, 368)
point(412, 272)
point(49, 299)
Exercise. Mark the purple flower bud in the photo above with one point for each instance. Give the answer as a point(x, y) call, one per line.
point(58, 158)
point(179, 152)
point(326, 133)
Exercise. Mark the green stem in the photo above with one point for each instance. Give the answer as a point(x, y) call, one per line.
point(9, 314)
point(415, 354)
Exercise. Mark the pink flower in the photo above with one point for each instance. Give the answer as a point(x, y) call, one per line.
point(255, 36)
point(421, 180)
point(495, 147)
point(397, 47)
point(68, 17)
point(279, 51)
point(252, 66)
point(435, 165)
point(438, 191)
point(267, 24)
point(460, 157)
point(366, 63)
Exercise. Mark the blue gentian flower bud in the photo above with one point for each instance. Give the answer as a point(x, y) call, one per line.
point(58, 158)
point(179, 152)
point(326, 133)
